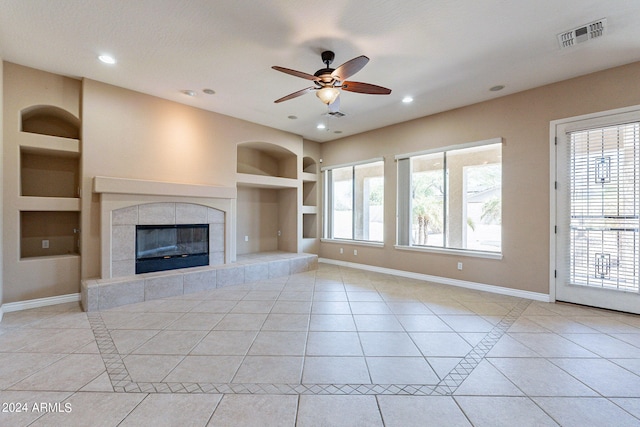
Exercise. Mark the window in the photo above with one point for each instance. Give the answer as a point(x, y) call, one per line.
point(355, 201)
point(452, 198)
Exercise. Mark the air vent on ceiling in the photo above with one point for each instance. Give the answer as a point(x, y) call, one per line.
point(336, 113)
point(583, 33)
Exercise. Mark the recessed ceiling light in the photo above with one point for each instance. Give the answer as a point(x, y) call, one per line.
point(209, 91)
point(189, 92)
point(337, 131)
point(407, 99)
point(292, 117)
point(496, 88)
point(321, 126)
point(107, 59)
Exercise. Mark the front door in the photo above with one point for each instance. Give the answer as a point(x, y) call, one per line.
point(598, 211)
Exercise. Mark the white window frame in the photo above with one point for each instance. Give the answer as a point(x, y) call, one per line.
point(328, 205)
point(403, 200)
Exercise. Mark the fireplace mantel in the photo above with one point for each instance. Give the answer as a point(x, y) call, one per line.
point(111, 185)
point(170, 203)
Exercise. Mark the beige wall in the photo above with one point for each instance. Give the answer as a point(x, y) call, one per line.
point(127, 134)
point(522, 120)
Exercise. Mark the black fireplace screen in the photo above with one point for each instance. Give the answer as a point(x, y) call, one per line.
point(167, 247)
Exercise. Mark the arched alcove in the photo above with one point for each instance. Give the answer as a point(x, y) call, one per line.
point(309, 165)
point(50, 120)
point(263, 158)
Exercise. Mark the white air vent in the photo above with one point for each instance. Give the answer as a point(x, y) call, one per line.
point(583, 33)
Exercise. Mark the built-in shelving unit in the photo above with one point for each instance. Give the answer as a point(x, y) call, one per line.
point(41, 166)
point(48, 203)
point(268, 198)
point(309, 205)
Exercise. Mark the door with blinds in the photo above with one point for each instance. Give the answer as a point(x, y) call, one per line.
point(598, 212)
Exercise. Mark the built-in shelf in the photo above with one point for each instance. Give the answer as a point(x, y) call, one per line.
point(26, 203)
point(49, 204)
point(53, 258)
point(309, 194)
point(47, 173)
point(49, 233)
point(310, 217)
point(35, 142)
point(260, 181)
point(309, 166)
point(265, 159)
point(309, 177)
point(309, 226)
point(309, 210)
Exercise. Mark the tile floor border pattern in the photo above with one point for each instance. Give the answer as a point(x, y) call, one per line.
point(121, 380)
point(463, 369)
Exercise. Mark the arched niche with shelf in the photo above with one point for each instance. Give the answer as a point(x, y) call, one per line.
point(49, 163)
point(309, 165)
point(50, 120)
point(263, 158)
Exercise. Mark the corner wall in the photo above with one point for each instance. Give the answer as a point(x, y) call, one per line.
point(523, 120)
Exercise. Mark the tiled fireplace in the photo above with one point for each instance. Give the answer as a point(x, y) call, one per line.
point(126, 204)
point(125, 220)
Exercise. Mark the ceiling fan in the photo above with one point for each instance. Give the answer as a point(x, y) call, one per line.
point(328, 81)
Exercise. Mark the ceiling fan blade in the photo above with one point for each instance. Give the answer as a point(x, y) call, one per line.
point(294, 94)
point(365, 88)
point(296, 73)
point(349, 68)
point(334, 107)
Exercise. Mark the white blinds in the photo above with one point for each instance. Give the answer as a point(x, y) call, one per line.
point(605, 206)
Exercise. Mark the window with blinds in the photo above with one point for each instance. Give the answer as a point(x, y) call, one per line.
point(605, 207)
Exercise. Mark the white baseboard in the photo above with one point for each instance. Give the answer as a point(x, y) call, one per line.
point(36, 303)
point(536, 296)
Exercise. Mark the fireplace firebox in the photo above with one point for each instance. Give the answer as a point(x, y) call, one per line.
point(168, 247)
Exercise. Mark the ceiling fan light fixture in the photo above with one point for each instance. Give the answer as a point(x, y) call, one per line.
point(328, 94)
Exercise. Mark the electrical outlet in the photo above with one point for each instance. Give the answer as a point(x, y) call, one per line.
point(246, 238)
point(45, 244)
point(341, 250)
point(459, 266)
point(355, 252)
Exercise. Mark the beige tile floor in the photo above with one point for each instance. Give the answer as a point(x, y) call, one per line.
point(332, 347)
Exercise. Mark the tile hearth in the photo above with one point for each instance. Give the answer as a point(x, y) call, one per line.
point(335, 346)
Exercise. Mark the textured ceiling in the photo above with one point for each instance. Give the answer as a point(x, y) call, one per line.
point(443, 53)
